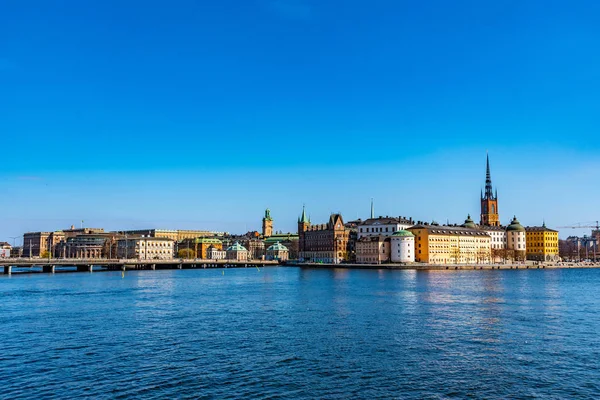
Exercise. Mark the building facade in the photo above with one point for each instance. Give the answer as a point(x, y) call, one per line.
point(373, 249)
point(146, 248)
point(326, 243)
point(516, 241)
point(237, 252)
point(5, 250)
point(277, 252)
point(542, 243)
point(213, 253)
point(489, 201)
point(382, 226)
point(36, 244)
point(289, 240)
point(200, 245)
point(175, 234)
point(82, 246)
point(402, 248)
point(437, 244)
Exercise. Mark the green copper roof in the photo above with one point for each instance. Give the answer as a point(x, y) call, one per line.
point(277, 247)
point(207, 240)
point(303, 219)
point(402, 233)
point(469, 222)
point(268, 215)
point(236, 247)
point(515, 226)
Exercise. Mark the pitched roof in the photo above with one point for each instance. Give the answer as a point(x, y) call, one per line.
point(386, 221)
point(277, 247)
point(450, 230)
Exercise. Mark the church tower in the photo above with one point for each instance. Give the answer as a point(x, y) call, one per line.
point(303, 225)
point(267, 224)
point(489, 201)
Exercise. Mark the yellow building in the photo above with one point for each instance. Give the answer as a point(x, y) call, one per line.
point(437, 244)
point(200, 245)
point(542, 243)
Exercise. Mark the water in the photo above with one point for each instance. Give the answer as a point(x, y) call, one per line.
point(301, 333)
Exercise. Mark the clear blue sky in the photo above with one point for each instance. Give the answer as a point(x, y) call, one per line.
point(200, 114)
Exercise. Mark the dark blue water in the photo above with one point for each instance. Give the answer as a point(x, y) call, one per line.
point(301, 333)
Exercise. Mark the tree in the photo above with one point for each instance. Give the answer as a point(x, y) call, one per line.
point(185, 253)
point(45, 254)
point(455, 254)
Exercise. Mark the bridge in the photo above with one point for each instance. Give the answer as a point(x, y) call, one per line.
point(90, 265)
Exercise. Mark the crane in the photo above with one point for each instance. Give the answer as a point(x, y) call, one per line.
point(596, 231)
point(580, 225)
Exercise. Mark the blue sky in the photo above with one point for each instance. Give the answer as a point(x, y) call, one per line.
point(200, 114)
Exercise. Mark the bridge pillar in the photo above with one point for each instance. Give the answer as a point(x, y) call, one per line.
point(153, 267)
point(179, 266)
point(122, 268)
point(49, 268)
point(7, 269)
point(85, 268)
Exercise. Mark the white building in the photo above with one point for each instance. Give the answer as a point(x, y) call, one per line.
point(212, 253)
point(278, 252)
point(237, 252)
point(146, 248)
point(402, 246)
point(383, 226)
point(516, 236)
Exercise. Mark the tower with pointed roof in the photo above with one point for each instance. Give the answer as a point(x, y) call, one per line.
point(489, 201)
point(303, 225)
point(267, 224)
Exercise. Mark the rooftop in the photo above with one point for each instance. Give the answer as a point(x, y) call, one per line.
point(450, 230)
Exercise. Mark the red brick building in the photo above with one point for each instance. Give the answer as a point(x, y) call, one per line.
point(327, 243)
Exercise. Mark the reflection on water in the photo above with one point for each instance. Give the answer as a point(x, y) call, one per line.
point(302, 333)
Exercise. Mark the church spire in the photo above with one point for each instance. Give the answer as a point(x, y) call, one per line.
point(489, 193)
point(303, 218)
point(372, 209)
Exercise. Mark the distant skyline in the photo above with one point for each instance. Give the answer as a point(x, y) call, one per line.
point(199, 115)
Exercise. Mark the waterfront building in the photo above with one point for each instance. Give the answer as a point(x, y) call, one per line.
point(175, 234)
point(372, 249)
point(489, 201)
point(327, 243)
point(402, 246)
point(5, 250)
point(542, 243)
point(277, 252)
point(237, 252)
point(255, 246)
point(35, 244)
point(200, 245)
point(382, 226)
point(146, 248)
point(72, 231)
point(445, 244)
point(267, 224)
point(215, 253)
point(82, 246)
point(16, 252)
point(289, 240)
point(580, 248)
point(516, 240)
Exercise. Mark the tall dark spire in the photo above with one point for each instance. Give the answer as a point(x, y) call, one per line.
point(489, 193)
